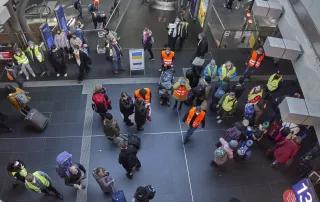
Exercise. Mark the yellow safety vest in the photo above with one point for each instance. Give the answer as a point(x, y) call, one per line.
point(252, 96)
point(228, 103)
point(22, 59)
point(39, 177)
point(23, 172)
point(225, 73)
point(37, 53)
point(273, 84)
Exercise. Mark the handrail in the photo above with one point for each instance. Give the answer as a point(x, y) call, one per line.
point(113, 12)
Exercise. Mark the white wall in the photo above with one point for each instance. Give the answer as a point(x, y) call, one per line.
point(313, 8)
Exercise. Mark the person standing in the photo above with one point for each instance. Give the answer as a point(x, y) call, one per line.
point(21, 59)
point(228, 71)
point(193, 119)
point(173, 33)
point(116, 56)
point(128, 159)
point(101, 102)
point(61, 41)
point(126, 107)
point(254, 62)
point(145, 95)
point(227, 106)
point(40, 182)
point(57, 59)
point(181, 91)
point(83, 61)
point(103, 178)
point(274, 82)
point(202, 47)
point(77, 5)
point(167, 57)
point(140, 114)
point(17, 170)
point(36, 57)
point(183, 31)
point(75, 42)
point(76, 175)
point(147, 41)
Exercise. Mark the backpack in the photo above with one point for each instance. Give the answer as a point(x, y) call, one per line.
point(151, 191)
point(100, 105)
point(22, 98)
point(248, 111)
point(181, 92)
point(64, 161)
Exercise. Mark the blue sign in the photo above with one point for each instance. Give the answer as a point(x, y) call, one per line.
point(47, 36)
point(61, 18)
point(304, 191)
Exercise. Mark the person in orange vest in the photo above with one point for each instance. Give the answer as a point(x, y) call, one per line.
point(254, 62)
point(193, 119)
point(145, 95)
point(167, 57)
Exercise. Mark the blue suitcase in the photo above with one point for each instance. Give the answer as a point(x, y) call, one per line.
point(118, 196)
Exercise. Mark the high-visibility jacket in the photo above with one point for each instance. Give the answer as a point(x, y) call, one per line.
point(255, 60)
point(41, 181)
point(225, 73)
point(228, 103)
point(22, 59)
point(146, 98)
point(167, 59)
point(23, 172)
point(254, 97)
point(197, 121)
point(35, 52)
point(273, 84)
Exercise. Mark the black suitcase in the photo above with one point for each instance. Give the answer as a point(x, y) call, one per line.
point(135, 141)
point(36, 120)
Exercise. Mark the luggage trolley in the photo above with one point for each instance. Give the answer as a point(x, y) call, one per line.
point(101, 22)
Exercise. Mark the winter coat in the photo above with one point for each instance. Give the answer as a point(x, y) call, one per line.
point(126, 106)
point(202, 48)
point(140, 114)
point(71, 179)
point(128, 157)
point(77, 41)
point(285, 151)
point(105, 182)
point(177, 85)
point(111, 128)
point(57, 58)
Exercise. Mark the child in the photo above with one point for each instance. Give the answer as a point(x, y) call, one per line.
point(224, 152)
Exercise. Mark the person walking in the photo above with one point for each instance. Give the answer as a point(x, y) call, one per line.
point(193, 119)
point(145, 95)
point(116, 56)
point(140, 114)
point(22, 60)
point(19, 99)
point(181, 91)
point(147, 41)
point(103, 178)
point(183, 31)
point(254, 62)
point(77, 5)
point(126, 107)
point(83, 61)
point(36, 56)
point(173, 33)
point(144, 194)
point(18, 171)
point(101, 102)
point(57, 59)
point(128, 159)
point(76, 175)
point(40, 182)
point(167, 58)
point(227, 106)
point(202, 47)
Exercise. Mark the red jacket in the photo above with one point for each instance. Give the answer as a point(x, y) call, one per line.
point(285, 151)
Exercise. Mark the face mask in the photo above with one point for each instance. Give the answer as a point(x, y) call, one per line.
point(168, 52)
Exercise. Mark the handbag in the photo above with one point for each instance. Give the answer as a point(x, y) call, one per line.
point(9, 76)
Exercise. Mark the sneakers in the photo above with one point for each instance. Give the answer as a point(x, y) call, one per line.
point(218, 117)
point(58, 75)
point(65, 75)
point(130, 175)
point(219, 121)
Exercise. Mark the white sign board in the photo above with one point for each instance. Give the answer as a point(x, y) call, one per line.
point(136, 57)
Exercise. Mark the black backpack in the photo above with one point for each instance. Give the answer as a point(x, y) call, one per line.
point(198, 91)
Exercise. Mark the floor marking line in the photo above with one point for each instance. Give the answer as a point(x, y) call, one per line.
point(185, 158)
point(124, 13)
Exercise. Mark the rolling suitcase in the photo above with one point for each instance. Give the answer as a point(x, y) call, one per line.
point(118, 196)
point(36, 120)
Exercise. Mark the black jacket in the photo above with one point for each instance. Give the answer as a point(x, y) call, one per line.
point(202, 48)
point(128, 157)
point(75, 179)
point(126, 106)
point(56, 58)
point(85, 60)
point(140, 114)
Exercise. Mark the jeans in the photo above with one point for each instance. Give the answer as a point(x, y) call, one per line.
point(189, 133)
point(116, 65)
point(249, 71)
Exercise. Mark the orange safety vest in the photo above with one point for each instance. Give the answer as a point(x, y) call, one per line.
point(255, 61)
point(147, 97)
point(197, 120)
point(167, 59)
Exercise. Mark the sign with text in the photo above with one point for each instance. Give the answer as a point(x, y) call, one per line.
point(61, 18)
point(304, 191)
point(136, 57)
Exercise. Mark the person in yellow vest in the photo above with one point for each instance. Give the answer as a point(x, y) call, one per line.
point(227, 105)
point(167, 57)
point(22, 60)
point(17, 170)
point(36, 57)
point(255, 94)
point(274, 82)
point(193, 119)
point(40, 182)
point(228, 70)
point(145, 95)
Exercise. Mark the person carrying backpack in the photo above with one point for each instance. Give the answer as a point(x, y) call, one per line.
point(181, 90)
point(101, 103)
point(140, 114)
point(19, 99)
point(128, 159)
